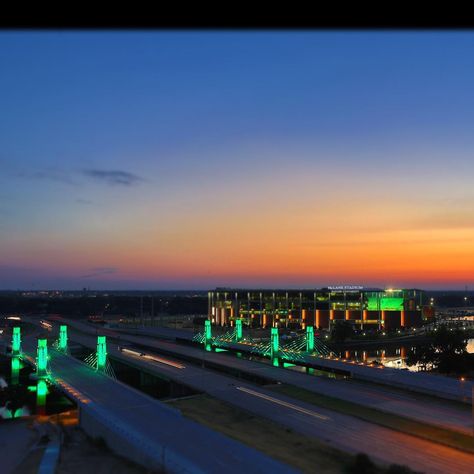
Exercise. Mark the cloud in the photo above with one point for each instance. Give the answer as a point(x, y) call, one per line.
point(84, 201)
point(99, 271)
point(110, 177)
point(114, 177)
point(48, 174)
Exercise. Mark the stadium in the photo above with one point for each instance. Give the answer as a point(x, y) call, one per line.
point(366, 308)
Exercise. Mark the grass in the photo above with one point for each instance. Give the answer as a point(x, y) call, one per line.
point(297, 450)
point(399, 423)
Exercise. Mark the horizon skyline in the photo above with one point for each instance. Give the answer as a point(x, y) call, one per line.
point(253, 159)
point(465, 288)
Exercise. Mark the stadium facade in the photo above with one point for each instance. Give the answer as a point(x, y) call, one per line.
point(365, 307)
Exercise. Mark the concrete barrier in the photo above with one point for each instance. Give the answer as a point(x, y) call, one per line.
point(126, 442)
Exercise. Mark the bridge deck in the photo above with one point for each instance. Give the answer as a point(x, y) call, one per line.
point(419, 407)
point(436, 385)
point(342, 431)
point(153, 423)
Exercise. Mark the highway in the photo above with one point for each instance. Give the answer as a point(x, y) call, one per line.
point(151, 423)
point(427, 409)
point(344, 432)
point(421, 382)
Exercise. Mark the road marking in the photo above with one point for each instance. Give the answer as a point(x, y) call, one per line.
point(283, 403)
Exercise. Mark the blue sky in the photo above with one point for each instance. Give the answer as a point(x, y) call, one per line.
point(118, 141)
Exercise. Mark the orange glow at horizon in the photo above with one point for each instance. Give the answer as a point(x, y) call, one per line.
point(290, 243)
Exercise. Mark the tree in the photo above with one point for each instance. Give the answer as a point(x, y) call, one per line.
point(361, 464)
point(446, 352)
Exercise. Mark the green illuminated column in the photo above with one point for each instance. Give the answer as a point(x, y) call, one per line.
point(15, 370)
point(63, 338)
point(274, 346)
point(207, 334)
point(16, 341)
point(238, 329)
point(41, 392)
point(42, 358)
point(101, 352)
point(309, 338)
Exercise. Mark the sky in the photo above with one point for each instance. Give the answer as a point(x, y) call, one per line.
point(196, 159)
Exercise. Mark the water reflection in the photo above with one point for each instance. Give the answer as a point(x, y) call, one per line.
point(390, 356)
point(394, 357)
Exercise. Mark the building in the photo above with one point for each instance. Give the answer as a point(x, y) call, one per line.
point(364, 307)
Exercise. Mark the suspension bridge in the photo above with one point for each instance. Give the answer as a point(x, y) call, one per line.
point(295, 350)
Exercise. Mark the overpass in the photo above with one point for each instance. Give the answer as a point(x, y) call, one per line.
point(425, 408)
point(145, 430)
point(416, 382)
point(342, 431)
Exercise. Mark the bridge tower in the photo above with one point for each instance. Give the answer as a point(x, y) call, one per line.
point(274, 345)
point(207, 335)
point(238, 330)
point(62, 338)
point(16, 366)
point(16, 342)
point(101, 353)
point(42, 358)
point(309, 339)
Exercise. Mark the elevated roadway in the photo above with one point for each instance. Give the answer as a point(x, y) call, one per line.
point(141, 423)
point(426, 383)
point(342, 431)
point(426, 409)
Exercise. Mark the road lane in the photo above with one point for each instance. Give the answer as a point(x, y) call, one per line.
point(153, 423)
point(342, 431)
point(426, 409)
